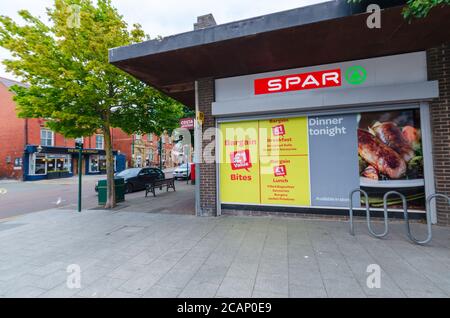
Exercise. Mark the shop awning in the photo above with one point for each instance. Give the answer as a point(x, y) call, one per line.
point(325, 33)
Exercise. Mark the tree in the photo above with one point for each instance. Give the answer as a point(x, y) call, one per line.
point(72, 84)
point(418, 8)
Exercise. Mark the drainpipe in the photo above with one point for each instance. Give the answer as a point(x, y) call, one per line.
point(25, 139)
point(26, 131)
point(132, 151)
point(160, 153)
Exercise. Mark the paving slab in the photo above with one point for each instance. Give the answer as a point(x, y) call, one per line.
point(128, 253)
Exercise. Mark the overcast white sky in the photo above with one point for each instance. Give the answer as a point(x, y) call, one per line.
point(165, 17)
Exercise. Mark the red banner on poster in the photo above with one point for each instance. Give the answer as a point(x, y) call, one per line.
point(240, 160)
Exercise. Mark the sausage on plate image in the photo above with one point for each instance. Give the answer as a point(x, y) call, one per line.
point(391, 135)
point(383, 158)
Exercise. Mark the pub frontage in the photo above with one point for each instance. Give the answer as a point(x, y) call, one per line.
point(44, 162)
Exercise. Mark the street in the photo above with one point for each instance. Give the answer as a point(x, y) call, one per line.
point(17, 198)
point(26, 197)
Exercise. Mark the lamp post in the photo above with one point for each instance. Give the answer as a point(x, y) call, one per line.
point(79, 146)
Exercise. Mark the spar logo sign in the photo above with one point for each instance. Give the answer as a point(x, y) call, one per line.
point(240, 160)
point(354, 75)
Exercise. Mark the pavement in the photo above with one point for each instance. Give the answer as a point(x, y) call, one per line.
point(135, 254)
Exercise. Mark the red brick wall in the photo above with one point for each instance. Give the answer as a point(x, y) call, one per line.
point(12, 141)
point(122, 142)
point(439, 69)
point(34, 134)
point(208, 201)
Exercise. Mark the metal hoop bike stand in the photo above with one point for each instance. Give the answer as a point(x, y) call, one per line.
point(369, 223)
point(429, 230)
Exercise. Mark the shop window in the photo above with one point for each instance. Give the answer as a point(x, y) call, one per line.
point(94, 164)
point(97, 164)
point(38, 164)
point(99, 142)
point(58, 163)
point(47, 137)
point(102, 163)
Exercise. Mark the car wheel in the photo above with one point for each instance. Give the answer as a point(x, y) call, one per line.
point(129, 188)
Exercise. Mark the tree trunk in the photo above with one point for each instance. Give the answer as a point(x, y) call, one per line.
point(111, 195)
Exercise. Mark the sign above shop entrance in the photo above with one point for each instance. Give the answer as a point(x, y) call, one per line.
point(187, 123)
point(297, 82)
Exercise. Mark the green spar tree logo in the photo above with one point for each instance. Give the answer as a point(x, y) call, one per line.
point(356, 75)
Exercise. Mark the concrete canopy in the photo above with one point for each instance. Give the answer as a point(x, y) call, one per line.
point(329, 32)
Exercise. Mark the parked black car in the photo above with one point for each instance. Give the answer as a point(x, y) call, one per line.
point(137, 178)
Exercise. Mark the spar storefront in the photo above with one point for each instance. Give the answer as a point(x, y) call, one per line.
point(301, 107)
point(294, 160)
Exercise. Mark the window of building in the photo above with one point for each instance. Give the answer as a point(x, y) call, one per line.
point(138, 137)
point(38, 164)
point(99, 142)
point(94, 164)
point(151, 155)
point(18, 163)
point(150, 137)
point(47, 137)
point(97, 163)
point(41, 164)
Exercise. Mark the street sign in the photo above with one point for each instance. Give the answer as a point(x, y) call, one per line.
point(200, 117)
point(187, 123)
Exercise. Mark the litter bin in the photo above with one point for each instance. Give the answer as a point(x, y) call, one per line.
point(103, 190)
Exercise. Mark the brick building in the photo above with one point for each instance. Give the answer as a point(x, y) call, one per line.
point(305, 105)
point(143, 150)
point(30, 151)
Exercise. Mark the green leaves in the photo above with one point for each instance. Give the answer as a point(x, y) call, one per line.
point(418, 8)
point(421, 8)
point(72, 84)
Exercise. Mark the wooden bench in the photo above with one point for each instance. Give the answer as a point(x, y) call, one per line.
point(151, 187)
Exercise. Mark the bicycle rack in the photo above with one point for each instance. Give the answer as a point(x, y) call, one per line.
point(405, 215)
point(429, 230)
point(405, 209)
point(369, 223)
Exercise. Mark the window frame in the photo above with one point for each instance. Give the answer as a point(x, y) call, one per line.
point(52, 138)
point(97, 143)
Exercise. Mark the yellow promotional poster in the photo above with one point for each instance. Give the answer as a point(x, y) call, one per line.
point(284, 137)
point(239, 164)
point(285, 181)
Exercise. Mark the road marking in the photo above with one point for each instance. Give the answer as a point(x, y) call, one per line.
point(59, 201)
point(3, 191)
